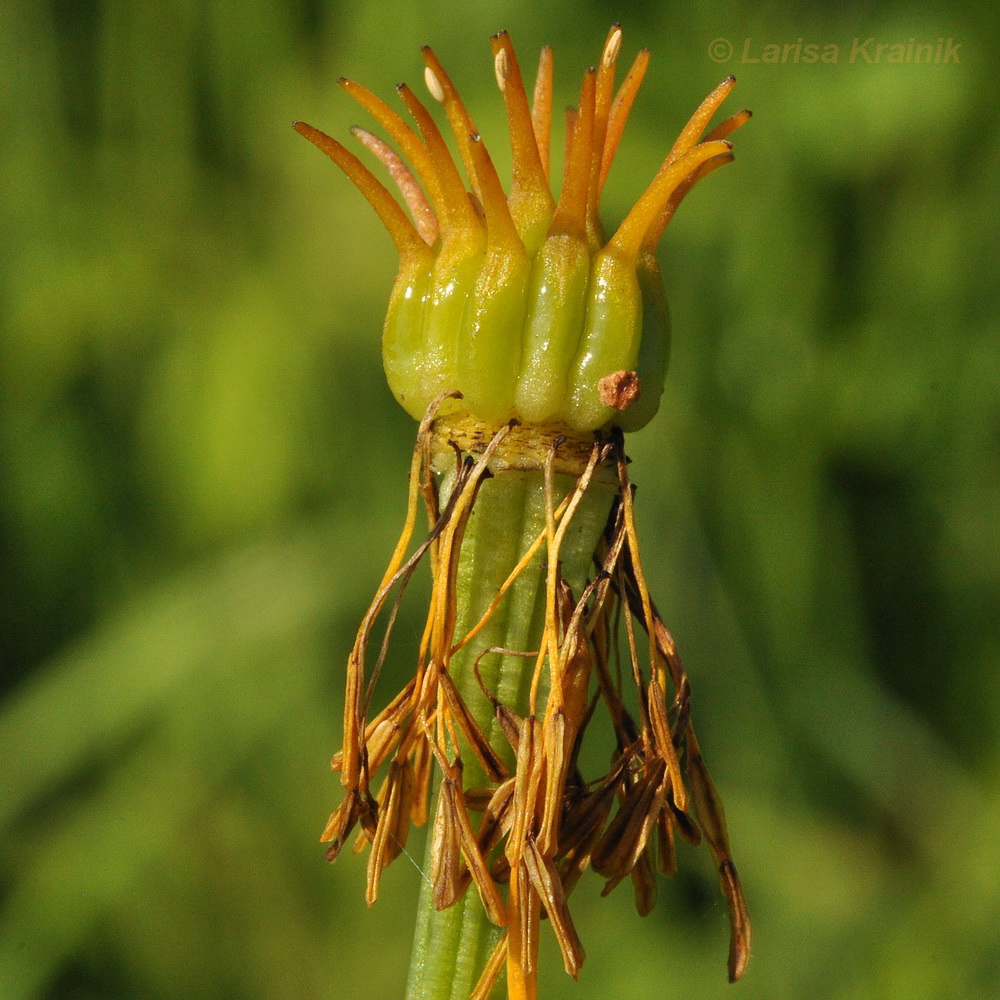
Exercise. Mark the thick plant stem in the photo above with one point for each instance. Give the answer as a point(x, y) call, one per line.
point(451, 947)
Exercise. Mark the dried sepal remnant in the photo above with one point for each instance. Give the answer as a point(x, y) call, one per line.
point(529, 827)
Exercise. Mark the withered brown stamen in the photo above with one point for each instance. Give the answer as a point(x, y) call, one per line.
point(543, 823)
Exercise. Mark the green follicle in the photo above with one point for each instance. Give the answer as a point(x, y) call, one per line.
point(488, 359)
point(654, 345)
point(610, 341)
point(442, 319)
point(516, 300)
point(558, 305)
point(402, 336)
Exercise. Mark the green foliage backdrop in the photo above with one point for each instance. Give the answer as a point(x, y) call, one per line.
point(202, 473)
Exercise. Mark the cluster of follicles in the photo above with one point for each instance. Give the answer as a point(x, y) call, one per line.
point(515, 299)
point(518, 326)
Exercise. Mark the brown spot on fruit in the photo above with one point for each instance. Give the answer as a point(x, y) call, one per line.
point(619, 390)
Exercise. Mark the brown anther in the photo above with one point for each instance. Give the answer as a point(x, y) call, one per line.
point(355, 806)
point(446, 855)
point(666, 850)
point(739, 920)
point(422, 760)
point(626, 837)
point(495, 908)
point(644, 885)
point(477, 739)
point(548, 887)
point(393, 825)
point(496, 818)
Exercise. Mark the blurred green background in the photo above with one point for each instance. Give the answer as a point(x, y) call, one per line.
point(202, 475)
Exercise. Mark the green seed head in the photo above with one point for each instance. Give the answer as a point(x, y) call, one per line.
point(514, 299)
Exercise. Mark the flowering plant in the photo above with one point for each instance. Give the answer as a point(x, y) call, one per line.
point(526, 342)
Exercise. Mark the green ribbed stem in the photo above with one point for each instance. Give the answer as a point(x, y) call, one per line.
point(451, 947)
